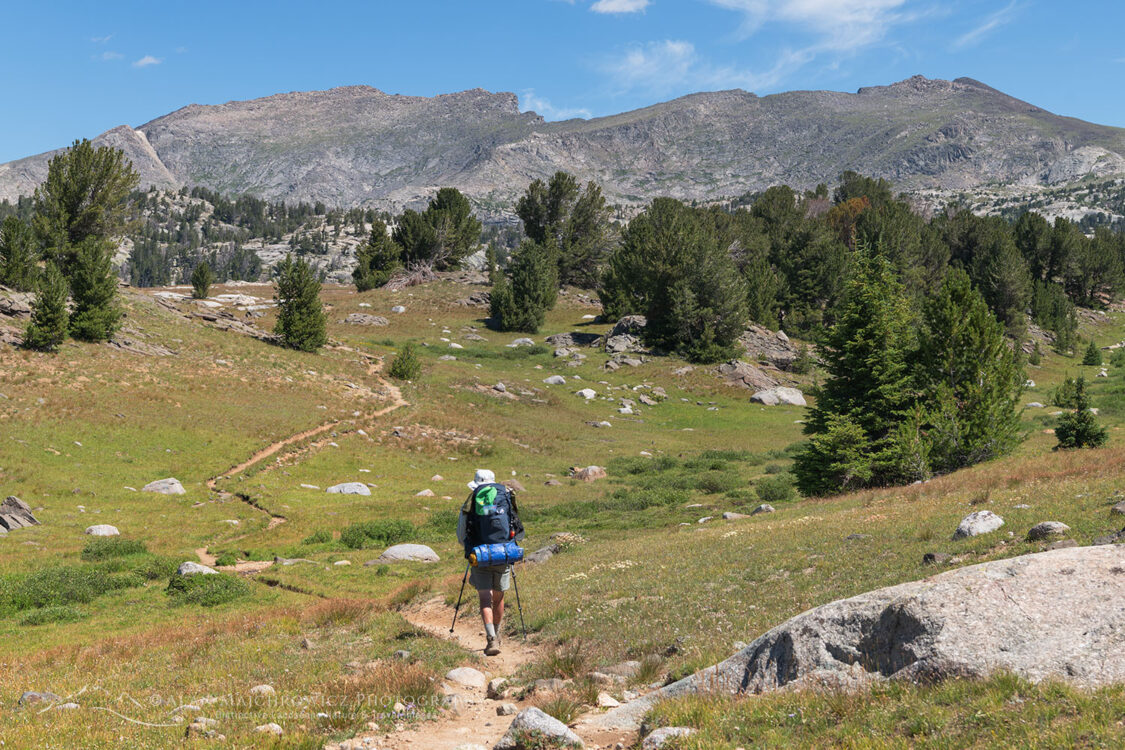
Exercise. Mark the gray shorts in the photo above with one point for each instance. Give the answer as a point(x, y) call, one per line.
point(491, 578)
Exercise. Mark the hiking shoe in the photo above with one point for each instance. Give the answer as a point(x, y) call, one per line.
point(492, 648)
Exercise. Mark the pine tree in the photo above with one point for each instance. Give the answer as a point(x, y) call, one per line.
point(491, 267)
point(93, 285)
point(49, 317)
point(971, 378)
point(406, 365)
point(377, 259)
point(201, 280)
point(301, 322)
point(1093, 355)
point(1079, 428)
point(18, 257)
point(521, 303)
point(868, 393)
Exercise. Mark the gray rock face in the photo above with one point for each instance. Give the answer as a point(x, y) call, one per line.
point(38, 696)
point(1058, 615)
point(349, 488)
point(779, 395)
point(1046, 530)
point(774, 347)
point(745, 375)
point(573, 339)
point(533, 726)
point(358, 145)
point(588, 474)
point(102, 529)
point(402, 552)
point(555, 380)
point(190, 568)
point(763, 508)
point(975, 524)
point(543, 554)
point(170, 486)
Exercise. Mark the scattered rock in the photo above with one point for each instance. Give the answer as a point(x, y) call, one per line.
point(573, 339)
point(521, 342)
point(778, 396)
point(262, 691)
point(270, 728)
point(103, 529)
point(683, 370)
point(743, 374)
point(514, 485)
point(1110, 538)
point(362, 319)
point(549, 685)
point(16, 514)
point(398, 309)
point(403, 552)
point(980, 522)
point(425, 493)
point(732, 516)
point(1040, 616)
point(402, 655)
point(349, 488)
point(170, 486)
point(661, 737)
point(1062, 544)
point(763, 508)
point(605, 700)
point(762, 344)
point(496, 687)
point(543, 554)
point(455, 703)
point(1035, 405)
point(588, 474)
point(555, 380)
point(587, 393)
point(38, 696)
point(603, 678)
point(467, 677)
point(1118, 509)
point(936, 558)
point(1046, 530)
point(534, 729)
point(190, 568)
point(507, 709)
point(625, 669)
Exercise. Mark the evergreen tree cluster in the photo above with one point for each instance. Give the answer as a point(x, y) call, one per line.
point(909, 394)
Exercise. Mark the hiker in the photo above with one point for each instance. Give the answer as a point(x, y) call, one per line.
point(489, 516)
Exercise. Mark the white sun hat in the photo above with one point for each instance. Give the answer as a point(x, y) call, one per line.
point(483, 476)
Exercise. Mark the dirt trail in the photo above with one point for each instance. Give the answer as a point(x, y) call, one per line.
point(374, 370)
point(478, 723)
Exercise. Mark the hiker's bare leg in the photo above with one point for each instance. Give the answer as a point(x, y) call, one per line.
point(486, 606)
point(498, 608)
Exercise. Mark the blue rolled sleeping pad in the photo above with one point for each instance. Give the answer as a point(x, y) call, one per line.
point(496, 554)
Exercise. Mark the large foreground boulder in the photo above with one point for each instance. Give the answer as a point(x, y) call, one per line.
point(779, 395)
point(1058, 614)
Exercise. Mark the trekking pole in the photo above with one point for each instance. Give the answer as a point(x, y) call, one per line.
point(518, 605)
point(455, 609)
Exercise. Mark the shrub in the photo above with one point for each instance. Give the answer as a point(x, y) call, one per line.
point(777, 488)
point(406, 365)
point(1036, 356)
point(226, 558)
point(320, 536)
point(62, 613)
point(60, 585)
point(104, 548)
point(49, 317)
point(713, 482)
point(1117, 359)
point(360, 535)
point(207, 590)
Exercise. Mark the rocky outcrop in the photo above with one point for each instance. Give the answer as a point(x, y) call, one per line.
point(779, 395)
point(1052, 615)
point(15, 514)
point(625, 336)
point(772, 347)
point(745, 375)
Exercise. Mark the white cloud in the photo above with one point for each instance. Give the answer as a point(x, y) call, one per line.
point(110, 55)
point(837, 25)
point(619, 6)
point(987, 25)
point(101, 39)
point(673, 65)
point(530, 102)
point(146, 61)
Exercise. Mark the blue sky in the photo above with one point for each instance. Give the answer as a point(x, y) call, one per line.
point(76, 69)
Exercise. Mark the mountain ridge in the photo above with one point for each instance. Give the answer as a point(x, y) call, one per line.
point(358, 145)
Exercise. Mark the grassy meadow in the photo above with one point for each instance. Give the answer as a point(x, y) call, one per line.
point(81, 432)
